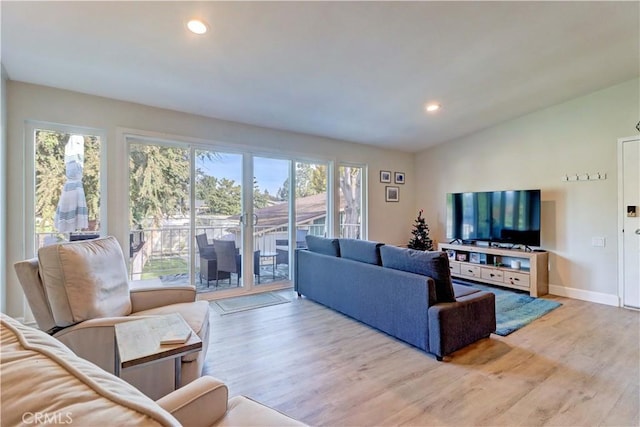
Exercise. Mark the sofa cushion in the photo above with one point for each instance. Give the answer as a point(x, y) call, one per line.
point(433, 264)
point(361, 250)
point(85, 280)
point(46, 378)
point(323, 245)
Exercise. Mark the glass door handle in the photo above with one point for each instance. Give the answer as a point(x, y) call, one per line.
point(244, 219)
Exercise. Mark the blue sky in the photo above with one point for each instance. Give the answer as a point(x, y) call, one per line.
point(270, 173)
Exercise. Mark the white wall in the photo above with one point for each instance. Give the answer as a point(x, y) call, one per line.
point(534, 151)
point(32, 102)
point(3, 186)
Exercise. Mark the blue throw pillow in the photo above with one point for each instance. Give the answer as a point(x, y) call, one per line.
point(361, 250)
point(432, 264)
point(322, 245)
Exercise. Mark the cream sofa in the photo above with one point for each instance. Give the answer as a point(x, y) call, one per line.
point(78, 291)
point(43, 382)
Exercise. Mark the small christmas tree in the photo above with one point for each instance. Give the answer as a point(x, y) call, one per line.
point(421, 240)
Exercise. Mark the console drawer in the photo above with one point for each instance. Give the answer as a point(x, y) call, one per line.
point(492, 274)
point(470, 270)
point(454, 267)
point(517, 279)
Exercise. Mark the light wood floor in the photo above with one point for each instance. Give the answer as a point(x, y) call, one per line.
point(576, 366)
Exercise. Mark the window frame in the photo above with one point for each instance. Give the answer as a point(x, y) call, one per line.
point(31, 126)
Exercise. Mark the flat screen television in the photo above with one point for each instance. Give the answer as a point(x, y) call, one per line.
point(495, 216)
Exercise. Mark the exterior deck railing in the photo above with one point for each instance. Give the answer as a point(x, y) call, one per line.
point(164, 251)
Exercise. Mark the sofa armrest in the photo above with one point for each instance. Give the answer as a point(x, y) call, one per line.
point(454, 325)
point(199, 403)
point(145, 296)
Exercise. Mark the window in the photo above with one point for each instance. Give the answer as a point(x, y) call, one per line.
point(351, 201)
point(159, 212)
point(67, 173)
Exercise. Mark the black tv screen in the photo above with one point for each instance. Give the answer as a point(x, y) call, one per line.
point(495, 216)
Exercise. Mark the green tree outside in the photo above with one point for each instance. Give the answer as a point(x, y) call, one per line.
point(311, 179)
point(159, 183)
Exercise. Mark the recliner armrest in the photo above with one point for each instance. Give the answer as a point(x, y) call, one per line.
point(93, 339)
point(199, 403)
point(145, 296)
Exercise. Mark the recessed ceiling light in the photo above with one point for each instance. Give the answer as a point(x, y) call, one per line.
point(432, 107)
point(197, 26)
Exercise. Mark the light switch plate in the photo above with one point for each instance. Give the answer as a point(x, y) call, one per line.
point(598, 242)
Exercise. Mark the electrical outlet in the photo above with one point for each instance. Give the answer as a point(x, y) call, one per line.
point(598, 242)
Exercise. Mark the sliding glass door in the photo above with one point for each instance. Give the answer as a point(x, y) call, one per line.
point(271, 218)
point(311, 201)
point(160, 212)
point(179, 236)
point(289, 202)
point(218, 225)
point(222, 221)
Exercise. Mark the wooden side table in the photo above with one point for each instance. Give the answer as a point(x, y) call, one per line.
point(138, 343)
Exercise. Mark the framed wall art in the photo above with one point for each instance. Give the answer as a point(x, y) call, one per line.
point(399, 178)
point(392, 194)
point(385, 176)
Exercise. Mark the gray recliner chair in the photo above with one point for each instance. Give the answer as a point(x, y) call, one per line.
point(77, 291)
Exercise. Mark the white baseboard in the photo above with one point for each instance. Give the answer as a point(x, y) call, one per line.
point(581, 294)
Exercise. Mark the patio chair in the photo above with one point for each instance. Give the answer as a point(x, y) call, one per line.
point(208, 261)
point(282, 246)
point(229, 260)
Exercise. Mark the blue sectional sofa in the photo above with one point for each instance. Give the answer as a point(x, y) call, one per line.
point(406, 293)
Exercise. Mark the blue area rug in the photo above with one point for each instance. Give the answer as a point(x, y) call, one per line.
point(514, 309)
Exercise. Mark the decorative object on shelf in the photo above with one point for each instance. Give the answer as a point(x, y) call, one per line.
point(398, 178)
point(392, 194)
point(474, 257)
point(461, 257)
point(420, 240)
point(451, 254)
point(385, 176)
point(515, 264)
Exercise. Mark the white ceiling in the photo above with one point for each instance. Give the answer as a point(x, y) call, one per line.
point(355, 71)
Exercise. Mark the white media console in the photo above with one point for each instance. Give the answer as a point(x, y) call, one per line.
point(493, 266)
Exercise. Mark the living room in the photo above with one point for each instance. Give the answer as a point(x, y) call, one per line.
point(562, 137)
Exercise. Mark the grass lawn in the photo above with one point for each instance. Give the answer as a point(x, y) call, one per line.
point(163, 266)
